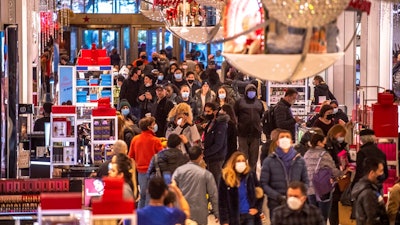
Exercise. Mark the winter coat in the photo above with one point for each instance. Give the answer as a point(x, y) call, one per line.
point(311, 158)
point(146, 105)
point(160, 112)
point(168, 160)
point(210, 97)
point(284, 118)
point(369, 150)
point(275, 179)
point(340, 115)
point(322, 89)
point(130, 91)
point(369, 204)
point(232, 139)
point(229, 209)
point(215, 140)
point(249, 113)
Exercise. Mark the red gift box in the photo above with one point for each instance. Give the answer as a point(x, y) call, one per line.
point(61, 200)
point(63, 109)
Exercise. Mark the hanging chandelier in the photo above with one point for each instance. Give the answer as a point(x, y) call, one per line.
point(294, 46)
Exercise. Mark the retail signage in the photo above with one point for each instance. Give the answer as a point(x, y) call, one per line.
point(66, 74)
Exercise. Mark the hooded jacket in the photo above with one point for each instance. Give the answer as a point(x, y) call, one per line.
point(249, 113)
point(369, 204)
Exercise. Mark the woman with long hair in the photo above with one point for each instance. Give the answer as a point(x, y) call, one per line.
point(317, 156)
point(223, 97)
point(121, 167)
point(240, 198)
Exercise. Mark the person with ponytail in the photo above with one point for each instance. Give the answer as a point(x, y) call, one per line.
point(240, 196)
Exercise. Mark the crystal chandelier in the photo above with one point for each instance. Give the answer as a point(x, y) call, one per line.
point(305, 13)
point(249, 53)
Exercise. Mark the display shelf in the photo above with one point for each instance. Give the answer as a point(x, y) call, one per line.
point(276, 91)
point(104, 133)
point(63, 140)
point(112, 219)
point(61, 216)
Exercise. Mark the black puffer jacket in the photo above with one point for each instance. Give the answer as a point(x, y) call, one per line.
point(168, 160)
point(369, 204)
point(249, 113)
point(284, 118)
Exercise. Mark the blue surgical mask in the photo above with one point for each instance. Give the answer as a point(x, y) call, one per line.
point(160, 77)
point(222, 96)
point(185, 94)
point(125, 112)
point(178, 76)
point(251, 94)
point(155, 128)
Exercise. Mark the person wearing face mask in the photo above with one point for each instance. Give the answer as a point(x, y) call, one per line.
point(249, 111)
point(154, 64)
point(281, 167)
point(369, 148)
point(214, 139)
point(186, 98)
point(240, 195)
point(338, 113)
point(317, 157)
point(142, 149)
point(325, 119)
point(142, 58)
point(160, 109)
point(179, 79)
point(296, 211)
point(223, 97)
point(334, 144)
point(204, 95)
point(284, 118)
point(130, 91)
point(125, 109)
point(369, 205)
point(193, 84)
point(147, 94)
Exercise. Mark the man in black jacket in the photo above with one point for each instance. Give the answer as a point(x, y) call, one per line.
point(283, 114)
point(130, 91)
point(249, 110)
point(369, 149)
point(369, 205)
point(160, 110)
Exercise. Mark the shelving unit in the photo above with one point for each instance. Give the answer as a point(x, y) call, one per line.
point(63, 140)
point(89, 84)
point(104, 133)
point(276, 91)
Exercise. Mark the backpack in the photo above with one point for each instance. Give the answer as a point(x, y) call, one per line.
point(322, 179)
point(268, 121)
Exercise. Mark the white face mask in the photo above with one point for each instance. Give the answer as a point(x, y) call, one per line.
point(294, 203)
point(335, 110)
point(340, 139)
point(285, 143)
point(240, 167)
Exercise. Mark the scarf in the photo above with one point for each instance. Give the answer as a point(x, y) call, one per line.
point(286, 157)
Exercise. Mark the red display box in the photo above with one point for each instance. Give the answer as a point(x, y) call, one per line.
point(385, 120)
point(63, 109)
point(61, 200)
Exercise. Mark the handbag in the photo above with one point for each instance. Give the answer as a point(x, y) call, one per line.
point(346, 198)
point(343, 182)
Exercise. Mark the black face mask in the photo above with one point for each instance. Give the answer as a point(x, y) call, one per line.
point(330, 117)
point(190, 81)
point(209, 116)
point(155, 59)
point(143, 57)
